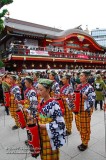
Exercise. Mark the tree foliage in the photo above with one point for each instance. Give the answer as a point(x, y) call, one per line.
point(5, 2)
point(4, 12)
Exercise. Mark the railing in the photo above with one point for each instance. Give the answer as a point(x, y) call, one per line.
point(41, 51)
point(76, 56)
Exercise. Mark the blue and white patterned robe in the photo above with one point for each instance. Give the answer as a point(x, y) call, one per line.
point(15, 90)
point(56, 88)
point(68, 90)
point(56, 129)
point(35, 84)
point(30, 94)
point(90, 93)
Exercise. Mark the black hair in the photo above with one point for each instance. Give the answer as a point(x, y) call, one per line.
point(87, 73)
point(53, 73)
point(47, 86)
point(29, 80)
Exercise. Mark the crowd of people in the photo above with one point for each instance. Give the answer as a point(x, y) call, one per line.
point(47, 101)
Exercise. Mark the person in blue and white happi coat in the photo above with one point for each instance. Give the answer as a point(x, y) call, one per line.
point(66, 93)
point(83, 117)
point(51, 122)
point(15, 95)
point(55, 86)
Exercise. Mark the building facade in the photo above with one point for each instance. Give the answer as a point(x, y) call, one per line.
point(100, 36)
point(25, 45)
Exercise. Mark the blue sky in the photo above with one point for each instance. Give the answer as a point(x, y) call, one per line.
point(62, 14)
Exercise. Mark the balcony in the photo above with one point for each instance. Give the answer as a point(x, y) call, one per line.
point(45, 52)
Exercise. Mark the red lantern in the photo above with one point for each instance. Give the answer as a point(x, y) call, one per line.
point(7, 99)
point(76, 101)
point(21, 118)
point(33, 139)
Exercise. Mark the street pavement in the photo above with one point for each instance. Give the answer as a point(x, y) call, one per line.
point(12, 145)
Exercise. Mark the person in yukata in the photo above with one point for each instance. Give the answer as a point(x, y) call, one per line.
point(83, 117)
point(51, 122)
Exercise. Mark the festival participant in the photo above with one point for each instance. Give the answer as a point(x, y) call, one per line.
point(6, 91)
point(104, 107)
point(35, 79)
point(55, 86)
point(77, 79)
point(30, 102)
point(51, 122)
point(67, 91)
point(1, 90)
point(1, 75)
point(83, 117)
point(30, 97)
point(99, 87)
point(15, 95)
